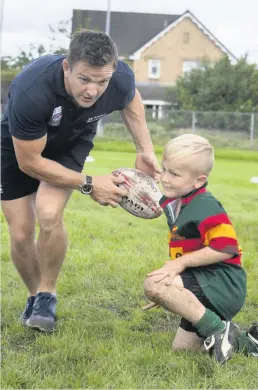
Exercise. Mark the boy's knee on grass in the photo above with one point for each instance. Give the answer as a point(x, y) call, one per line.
point(188, 341)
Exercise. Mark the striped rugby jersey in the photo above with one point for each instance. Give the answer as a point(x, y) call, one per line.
point(202, 221)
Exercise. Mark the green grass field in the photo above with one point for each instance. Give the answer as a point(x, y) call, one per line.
point(103, 339)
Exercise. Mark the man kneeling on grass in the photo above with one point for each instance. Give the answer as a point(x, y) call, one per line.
point(205, 283)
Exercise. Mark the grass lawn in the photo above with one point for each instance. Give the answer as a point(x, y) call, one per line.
point(103, 339)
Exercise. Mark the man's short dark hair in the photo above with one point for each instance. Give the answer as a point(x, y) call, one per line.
point(94, 47)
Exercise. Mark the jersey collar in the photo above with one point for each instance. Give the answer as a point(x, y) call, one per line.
point(189, 197)
point(184, 199)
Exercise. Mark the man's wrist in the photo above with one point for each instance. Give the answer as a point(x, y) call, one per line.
point(87, 186)
point(82, 180)
point(144, 147)
point(147, 150)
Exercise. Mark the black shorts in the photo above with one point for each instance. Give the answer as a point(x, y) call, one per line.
point(16, 184)
point(191, 283)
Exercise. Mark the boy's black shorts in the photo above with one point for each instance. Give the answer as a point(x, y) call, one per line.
point(191, 283)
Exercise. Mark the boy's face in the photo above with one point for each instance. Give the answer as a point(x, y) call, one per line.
point(178, 180)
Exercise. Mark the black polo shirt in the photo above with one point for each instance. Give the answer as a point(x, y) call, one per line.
point(38, 104)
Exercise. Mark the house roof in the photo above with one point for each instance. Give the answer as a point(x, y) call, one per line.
point(136, 55)
point(134, 32)
point(129, 30)
point(150, 92)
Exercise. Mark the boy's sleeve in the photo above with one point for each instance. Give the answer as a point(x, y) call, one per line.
point(218, 233)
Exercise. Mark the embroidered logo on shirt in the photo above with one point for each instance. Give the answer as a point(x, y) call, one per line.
point(56, 117)
point(173, 234)
point(96, 118)
point(177, 237)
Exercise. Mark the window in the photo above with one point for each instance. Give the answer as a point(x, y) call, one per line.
point(188, 66)
point(154, 69)
point(186, 37)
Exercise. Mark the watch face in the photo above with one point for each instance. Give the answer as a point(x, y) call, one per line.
point(86, 189)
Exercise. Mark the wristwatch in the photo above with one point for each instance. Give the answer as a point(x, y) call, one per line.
point(87, 187)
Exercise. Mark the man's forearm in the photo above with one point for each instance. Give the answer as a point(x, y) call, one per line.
point(204, 256)
point(134, 118)
point(55, 174)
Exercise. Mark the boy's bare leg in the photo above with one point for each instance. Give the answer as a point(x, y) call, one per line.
point(174, 298)
point(220, 336)
point(187, 341)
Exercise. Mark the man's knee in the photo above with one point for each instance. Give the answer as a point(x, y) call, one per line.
point(49, 217)
point(50, 205)
point(20, 217)
point(22, 233)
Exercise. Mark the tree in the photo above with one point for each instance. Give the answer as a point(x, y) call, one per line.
point(63, 29)
point(6, 62)
point(223, 87)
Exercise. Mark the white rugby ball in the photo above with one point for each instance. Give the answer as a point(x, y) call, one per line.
point(142, 199)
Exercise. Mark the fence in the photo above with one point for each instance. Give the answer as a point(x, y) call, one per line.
point(223, 129)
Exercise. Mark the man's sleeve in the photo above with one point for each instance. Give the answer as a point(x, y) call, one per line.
point(125, 85)
point(26, 121)
point(218, 233)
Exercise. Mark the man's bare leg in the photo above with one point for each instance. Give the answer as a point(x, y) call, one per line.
point(51, 250)
point(52, 240)
point(20, 216)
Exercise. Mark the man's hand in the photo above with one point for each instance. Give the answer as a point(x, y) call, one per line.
point(169, 271)
point(105, 190)
point(148, 163)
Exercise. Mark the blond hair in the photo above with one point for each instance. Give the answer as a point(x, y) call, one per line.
point(191, 151)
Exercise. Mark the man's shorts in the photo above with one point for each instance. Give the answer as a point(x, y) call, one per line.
point(222, 301)
point(16, 184)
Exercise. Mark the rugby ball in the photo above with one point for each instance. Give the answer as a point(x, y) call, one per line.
point(142, 199)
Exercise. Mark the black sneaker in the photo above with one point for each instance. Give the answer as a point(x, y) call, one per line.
point(252, 334)
point(220, 345)
point(43, 314)
point(28, 310)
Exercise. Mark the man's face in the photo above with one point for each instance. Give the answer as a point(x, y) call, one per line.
point(86, 83)
point(177, 179)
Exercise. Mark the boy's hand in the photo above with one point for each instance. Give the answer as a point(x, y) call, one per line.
point(169, 271)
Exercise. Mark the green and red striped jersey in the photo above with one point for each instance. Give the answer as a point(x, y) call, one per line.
point(202, 221)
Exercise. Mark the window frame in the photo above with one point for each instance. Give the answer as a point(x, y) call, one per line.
point(152, 75)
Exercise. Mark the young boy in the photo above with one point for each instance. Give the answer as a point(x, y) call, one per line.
point(205, 283)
